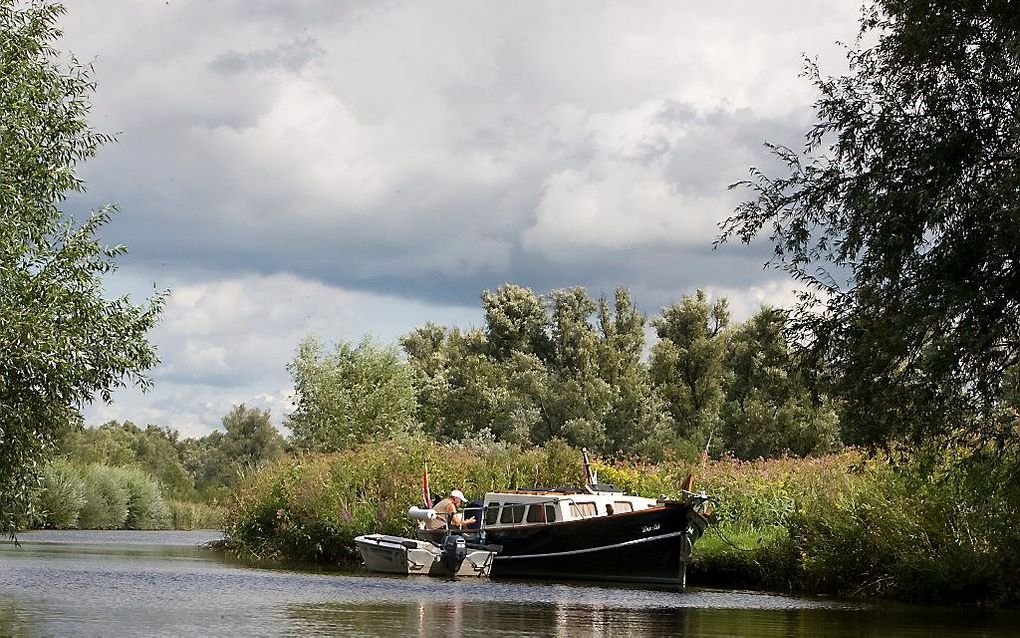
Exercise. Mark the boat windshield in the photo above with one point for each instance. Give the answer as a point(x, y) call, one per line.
point(491, 513)
point(512, 513)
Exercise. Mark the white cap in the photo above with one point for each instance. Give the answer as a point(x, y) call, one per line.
point(457, 494)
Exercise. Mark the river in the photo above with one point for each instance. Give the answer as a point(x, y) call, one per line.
point(162, 583)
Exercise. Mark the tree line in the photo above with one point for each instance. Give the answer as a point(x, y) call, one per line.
point(566, 366)
point(201, 469)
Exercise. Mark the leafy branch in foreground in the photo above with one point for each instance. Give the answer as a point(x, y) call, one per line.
point(902, 215)
point(61, 341)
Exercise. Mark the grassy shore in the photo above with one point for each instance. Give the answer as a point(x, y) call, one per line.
point(935, 527)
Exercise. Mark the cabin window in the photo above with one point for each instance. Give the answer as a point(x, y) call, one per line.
point(550, 513)
point(512, 513)
point(622, 506)
point(583, 510)
point(491, 513)
point(536, 513)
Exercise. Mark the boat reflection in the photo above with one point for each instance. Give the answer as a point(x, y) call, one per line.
point(467, 617)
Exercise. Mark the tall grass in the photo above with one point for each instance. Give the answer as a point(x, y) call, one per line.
point(188, 515)
point(312, 507)
point(938, 525)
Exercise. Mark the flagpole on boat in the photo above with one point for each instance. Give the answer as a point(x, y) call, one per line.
point(589, 478)
point(426, 495)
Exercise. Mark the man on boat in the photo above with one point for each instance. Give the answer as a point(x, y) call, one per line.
point(448, 516)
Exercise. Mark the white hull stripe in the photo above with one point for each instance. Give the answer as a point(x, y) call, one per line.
point(592, 549)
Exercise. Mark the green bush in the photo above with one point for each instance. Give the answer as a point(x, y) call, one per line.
point(61, 497)
point(102, 497)
point(106, 499)
point(146, 508)
point(937, 525)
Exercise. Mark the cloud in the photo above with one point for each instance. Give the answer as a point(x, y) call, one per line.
point(227, 341)
point(384, 147)
point(290, 56)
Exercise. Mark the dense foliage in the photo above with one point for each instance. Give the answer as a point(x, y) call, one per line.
point(312, 507)
point(354, 394)
point(118, 475)
point(902, 213)
point(126, 444)
point(100, 497)
point(202, 469)
point(566, 366)
point(215, 461)
point(61, 341)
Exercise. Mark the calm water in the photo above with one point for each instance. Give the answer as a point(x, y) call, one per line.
point(162, 583)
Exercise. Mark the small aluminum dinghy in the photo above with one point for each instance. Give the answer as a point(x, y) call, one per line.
point(451, 556)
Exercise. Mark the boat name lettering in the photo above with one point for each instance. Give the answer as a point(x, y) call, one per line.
point(649, 528)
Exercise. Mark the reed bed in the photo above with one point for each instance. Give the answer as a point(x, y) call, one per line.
point(936, 526)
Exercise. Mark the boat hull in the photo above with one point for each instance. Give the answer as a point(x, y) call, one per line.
point(648, 546)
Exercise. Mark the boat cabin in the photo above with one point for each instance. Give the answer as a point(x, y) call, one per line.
point(535, 507)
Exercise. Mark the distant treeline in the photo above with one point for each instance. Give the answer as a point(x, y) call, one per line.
point(104, 497)
point(202, 469)
point(566, 366)
point(119, 475)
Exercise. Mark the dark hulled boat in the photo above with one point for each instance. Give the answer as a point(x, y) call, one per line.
point(650, 545)
point(591, 533)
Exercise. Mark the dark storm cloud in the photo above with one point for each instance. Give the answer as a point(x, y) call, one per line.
point(291, 56)
point(201, 220)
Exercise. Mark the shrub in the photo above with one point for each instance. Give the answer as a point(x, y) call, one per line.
point(932, 525)
point(62, 496)
point(312, 507)
point(106, 500)
point(146, 508)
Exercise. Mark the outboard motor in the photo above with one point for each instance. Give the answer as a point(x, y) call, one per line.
point(454, 552)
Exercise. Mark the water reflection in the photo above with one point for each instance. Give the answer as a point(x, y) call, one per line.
point(15, 621)
point(132, 583)
point(466, 618)
point(461, 618)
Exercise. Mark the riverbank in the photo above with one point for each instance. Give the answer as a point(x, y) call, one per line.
point(934, 527)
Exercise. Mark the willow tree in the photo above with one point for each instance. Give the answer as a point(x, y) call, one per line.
point(356, 393)
point(687, 365)
point(62, 343)
point(902, 213)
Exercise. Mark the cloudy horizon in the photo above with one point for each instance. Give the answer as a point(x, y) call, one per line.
point(346, 169)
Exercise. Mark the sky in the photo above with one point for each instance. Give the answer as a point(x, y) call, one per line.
point(348, 169)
